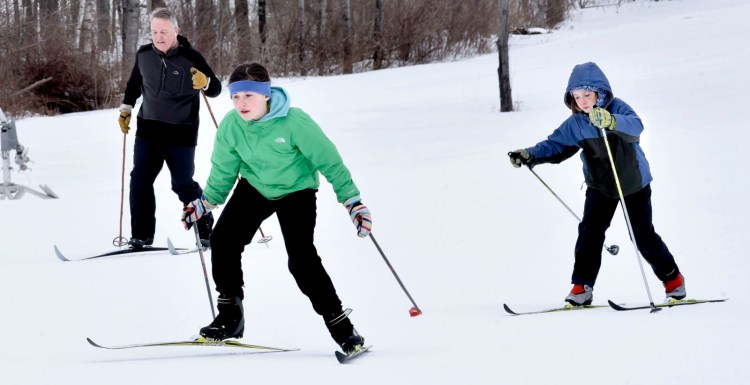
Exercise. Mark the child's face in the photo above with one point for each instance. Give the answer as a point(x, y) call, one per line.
point(250, 105)
point(586, 100)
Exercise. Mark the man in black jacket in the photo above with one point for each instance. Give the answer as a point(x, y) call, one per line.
point(169, 75)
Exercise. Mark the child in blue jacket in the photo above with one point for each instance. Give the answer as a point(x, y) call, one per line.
point(594, 107)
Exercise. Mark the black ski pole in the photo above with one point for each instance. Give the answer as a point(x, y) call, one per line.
point(614, 249)
point(414, 311)
point(205, 273)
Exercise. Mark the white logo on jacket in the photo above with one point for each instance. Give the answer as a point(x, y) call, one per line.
point(280, 140)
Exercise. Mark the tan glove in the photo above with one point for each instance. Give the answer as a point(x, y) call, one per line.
point(200, 81)
point(124, 118)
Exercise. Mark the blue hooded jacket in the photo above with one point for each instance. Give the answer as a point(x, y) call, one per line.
point(577, 132)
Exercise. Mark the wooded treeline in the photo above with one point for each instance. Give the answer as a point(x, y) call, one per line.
point(60, 56)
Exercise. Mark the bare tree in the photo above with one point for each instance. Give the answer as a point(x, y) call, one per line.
point(506, 101)
point(73, 12)
point(16, 13)
point(554, 12)
point(86, 42)
point(103, 26)
point(262, 27)
point(322, 19)
point(302, 25)
point(225, 39)
point(242, 23)
point(347, 14)
point(377, 36)
point(130, 27)
point(204, 36)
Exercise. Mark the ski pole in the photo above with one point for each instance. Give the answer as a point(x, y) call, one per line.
point(414, 311)
point(654, 309)
point(614, 249)
point(205, 99)
point(264, 239)
point(205, 273)
point(119, 241)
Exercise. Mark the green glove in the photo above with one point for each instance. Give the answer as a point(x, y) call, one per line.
point(124, 118)
point(519, 158)
point(601, 118)
point(200, 81)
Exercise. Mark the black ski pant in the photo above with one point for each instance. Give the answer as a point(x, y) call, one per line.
point(148, 159)
point(238, 223)
point(597, 216)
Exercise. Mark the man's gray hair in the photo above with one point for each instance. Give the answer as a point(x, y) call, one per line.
point(164, 13)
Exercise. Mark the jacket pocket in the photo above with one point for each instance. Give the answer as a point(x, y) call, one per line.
point(173, 79)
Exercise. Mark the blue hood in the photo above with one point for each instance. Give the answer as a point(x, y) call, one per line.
point(279, 104)
point(588, 75)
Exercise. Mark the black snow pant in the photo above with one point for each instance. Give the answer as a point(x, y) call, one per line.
point(148, 159)
point(597, 216)
point(238, 223)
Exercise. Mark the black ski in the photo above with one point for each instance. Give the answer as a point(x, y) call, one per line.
point(344, 358)
point(566, 307)
point(670, 303)
point(200, 341)
point(110, 253)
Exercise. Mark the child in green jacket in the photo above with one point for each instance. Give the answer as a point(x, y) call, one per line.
point(277, 151)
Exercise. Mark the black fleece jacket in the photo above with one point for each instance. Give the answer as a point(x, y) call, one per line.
point(170, 105)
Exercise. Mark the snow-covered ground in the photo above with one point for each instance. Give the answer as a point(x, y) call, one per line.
point(465, 231)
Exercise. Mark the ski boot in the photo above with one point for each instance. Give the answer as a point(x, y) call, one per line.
point(353, 343)
point(343, 331)
point(580, 295)
point(675, 288)
point(230, 323)
point(138, 244)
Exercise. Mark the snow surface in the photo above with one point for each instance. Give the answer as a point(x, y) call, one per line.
point(465, 231)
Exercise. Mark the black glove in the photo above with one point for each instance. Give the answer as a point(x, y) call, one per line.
point(519, 158)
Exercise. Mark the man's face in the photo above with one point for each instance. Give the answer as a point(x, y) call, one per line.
point(164, 34)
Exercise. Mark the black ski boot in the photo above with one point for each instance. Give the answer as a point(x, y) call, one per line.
point(343, 331)
point(230, 323)
point(205, 228)
point(138, 244)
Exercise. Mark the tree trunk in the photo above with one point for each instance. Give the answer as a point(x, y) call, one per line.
point(377, 36)
point(205, 29)
point(130, 26)
point(347, 65)
point(16, 13)
point(242, 22)
point(262, 27)
point(506, 101)
point(103, 30)
point(86, 42)
point(322, 16)
point(301, 36)
point(321, 56)
point(75, 9)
